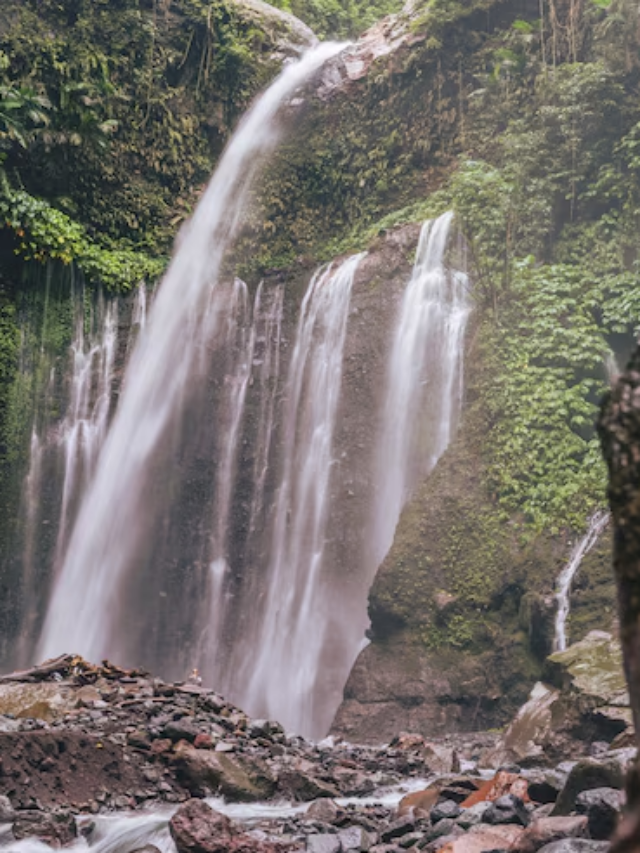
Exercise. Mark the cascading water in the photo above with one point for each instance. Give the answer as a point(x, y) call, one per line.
point(597, 524)
point(288, 644)
point(68, 446)
point(87, 612)
point(424, 381)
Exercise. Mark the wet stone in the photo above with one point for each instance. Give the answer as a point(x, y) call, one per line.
point(398, 828)
point(602, 806)
point(445, 809)
point(323, 844)
point(507, 810)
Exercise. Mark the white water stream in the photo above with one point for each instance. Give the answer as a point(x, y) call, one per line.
point(597, 524)
point(424, 381)
point(134, 830)
point(116, 513)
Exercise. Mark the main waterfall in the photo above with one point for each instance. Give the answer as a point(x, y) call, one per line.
point(117, 512)
point(256, 466)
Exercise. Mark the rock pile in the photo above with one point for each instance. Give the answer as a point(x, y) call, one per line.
point(78, 741)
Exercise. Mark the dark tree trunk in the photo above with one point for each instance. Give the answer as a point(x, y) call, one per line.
point(619, 431)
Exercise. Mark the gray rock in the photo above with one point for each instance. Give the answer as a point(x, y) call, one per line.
point(585, 776)
point(323, 810)
point(575, 845)
point(446, 826)
point(507, 809)
point(323, 844)
point(472, 816)
point(398, 828)
point(602, 806)
point(57, 830)
point(355, 838)
point(7, 812)
point(410, 840)
point(445, 809)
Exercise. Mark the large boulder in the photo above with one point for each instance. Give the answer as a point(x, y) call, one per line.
point(584, 699)
point(197, 828)
point(238, 780)
point(55, 829)
point(545, 830)
point(42, 701)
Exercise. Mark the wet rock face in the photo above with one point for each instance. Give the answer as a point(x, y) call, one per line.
point(55, 829)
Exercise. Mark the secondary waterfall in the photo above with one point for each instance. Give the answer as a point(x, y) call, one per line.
point(290, 640)
point(424, 380)
point(117, 514)
point(597, 524)
point(66, 446)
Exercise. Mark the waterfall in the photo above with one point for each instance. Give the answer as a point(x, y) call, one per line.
point(288, 645)
point(597, 524)
point(84, 427)
point(119, 509)
point(424, 381)
point(69, 446)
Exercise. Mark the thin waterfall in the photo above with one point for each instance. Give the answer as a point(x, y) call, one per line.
point(251, 341)
point(267, 360)
point(69, 446)
point(288, 645)
point(118, 512)
point(85, 424)
point(424, 380)
point(238, 341)
point(597, 524)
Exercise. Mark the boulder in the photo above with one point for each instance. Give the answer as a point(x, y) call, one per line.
point(57, 829)
point(7, 812)
point(549, 829)
point(473, 815)
point(323, 844)
point(323, 810)
point(445, 809)
point(197, 828)
point(231, 776)
point(398, 828)
point(575, 845)
point(503, 783)
point(508, 809)
point(441, 759)
point(301, 785)
point(602, 807)
point(419, 800)
point(482, 839)
point(43, 701)
point(585, 776)
point(354, 838)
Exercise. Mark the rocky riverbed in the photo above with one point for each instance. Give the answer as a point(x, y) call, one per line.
point(116, 760)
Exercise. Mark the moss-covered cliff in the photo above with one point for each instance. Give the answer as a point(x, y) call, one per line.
point(528, 126)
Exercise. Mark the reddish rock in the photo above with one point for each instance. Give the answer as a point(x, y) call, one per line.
point(55, 829)
point(419, 800)
point(503, 783)
point(197, 828)
point(161, 746)
point(481, 839)
point(203, 741)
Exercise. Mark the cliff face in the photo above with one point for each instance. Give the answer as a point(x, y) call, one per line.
point(479, 107)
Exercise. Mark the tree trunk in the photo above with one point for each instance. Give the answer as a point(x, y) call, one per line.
point(619, 431)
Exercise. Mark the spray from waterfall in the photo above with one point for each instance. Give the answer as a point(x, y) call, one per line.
point(282, 675)
point(424, 381)
point(117, 513)
point(597, 524)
